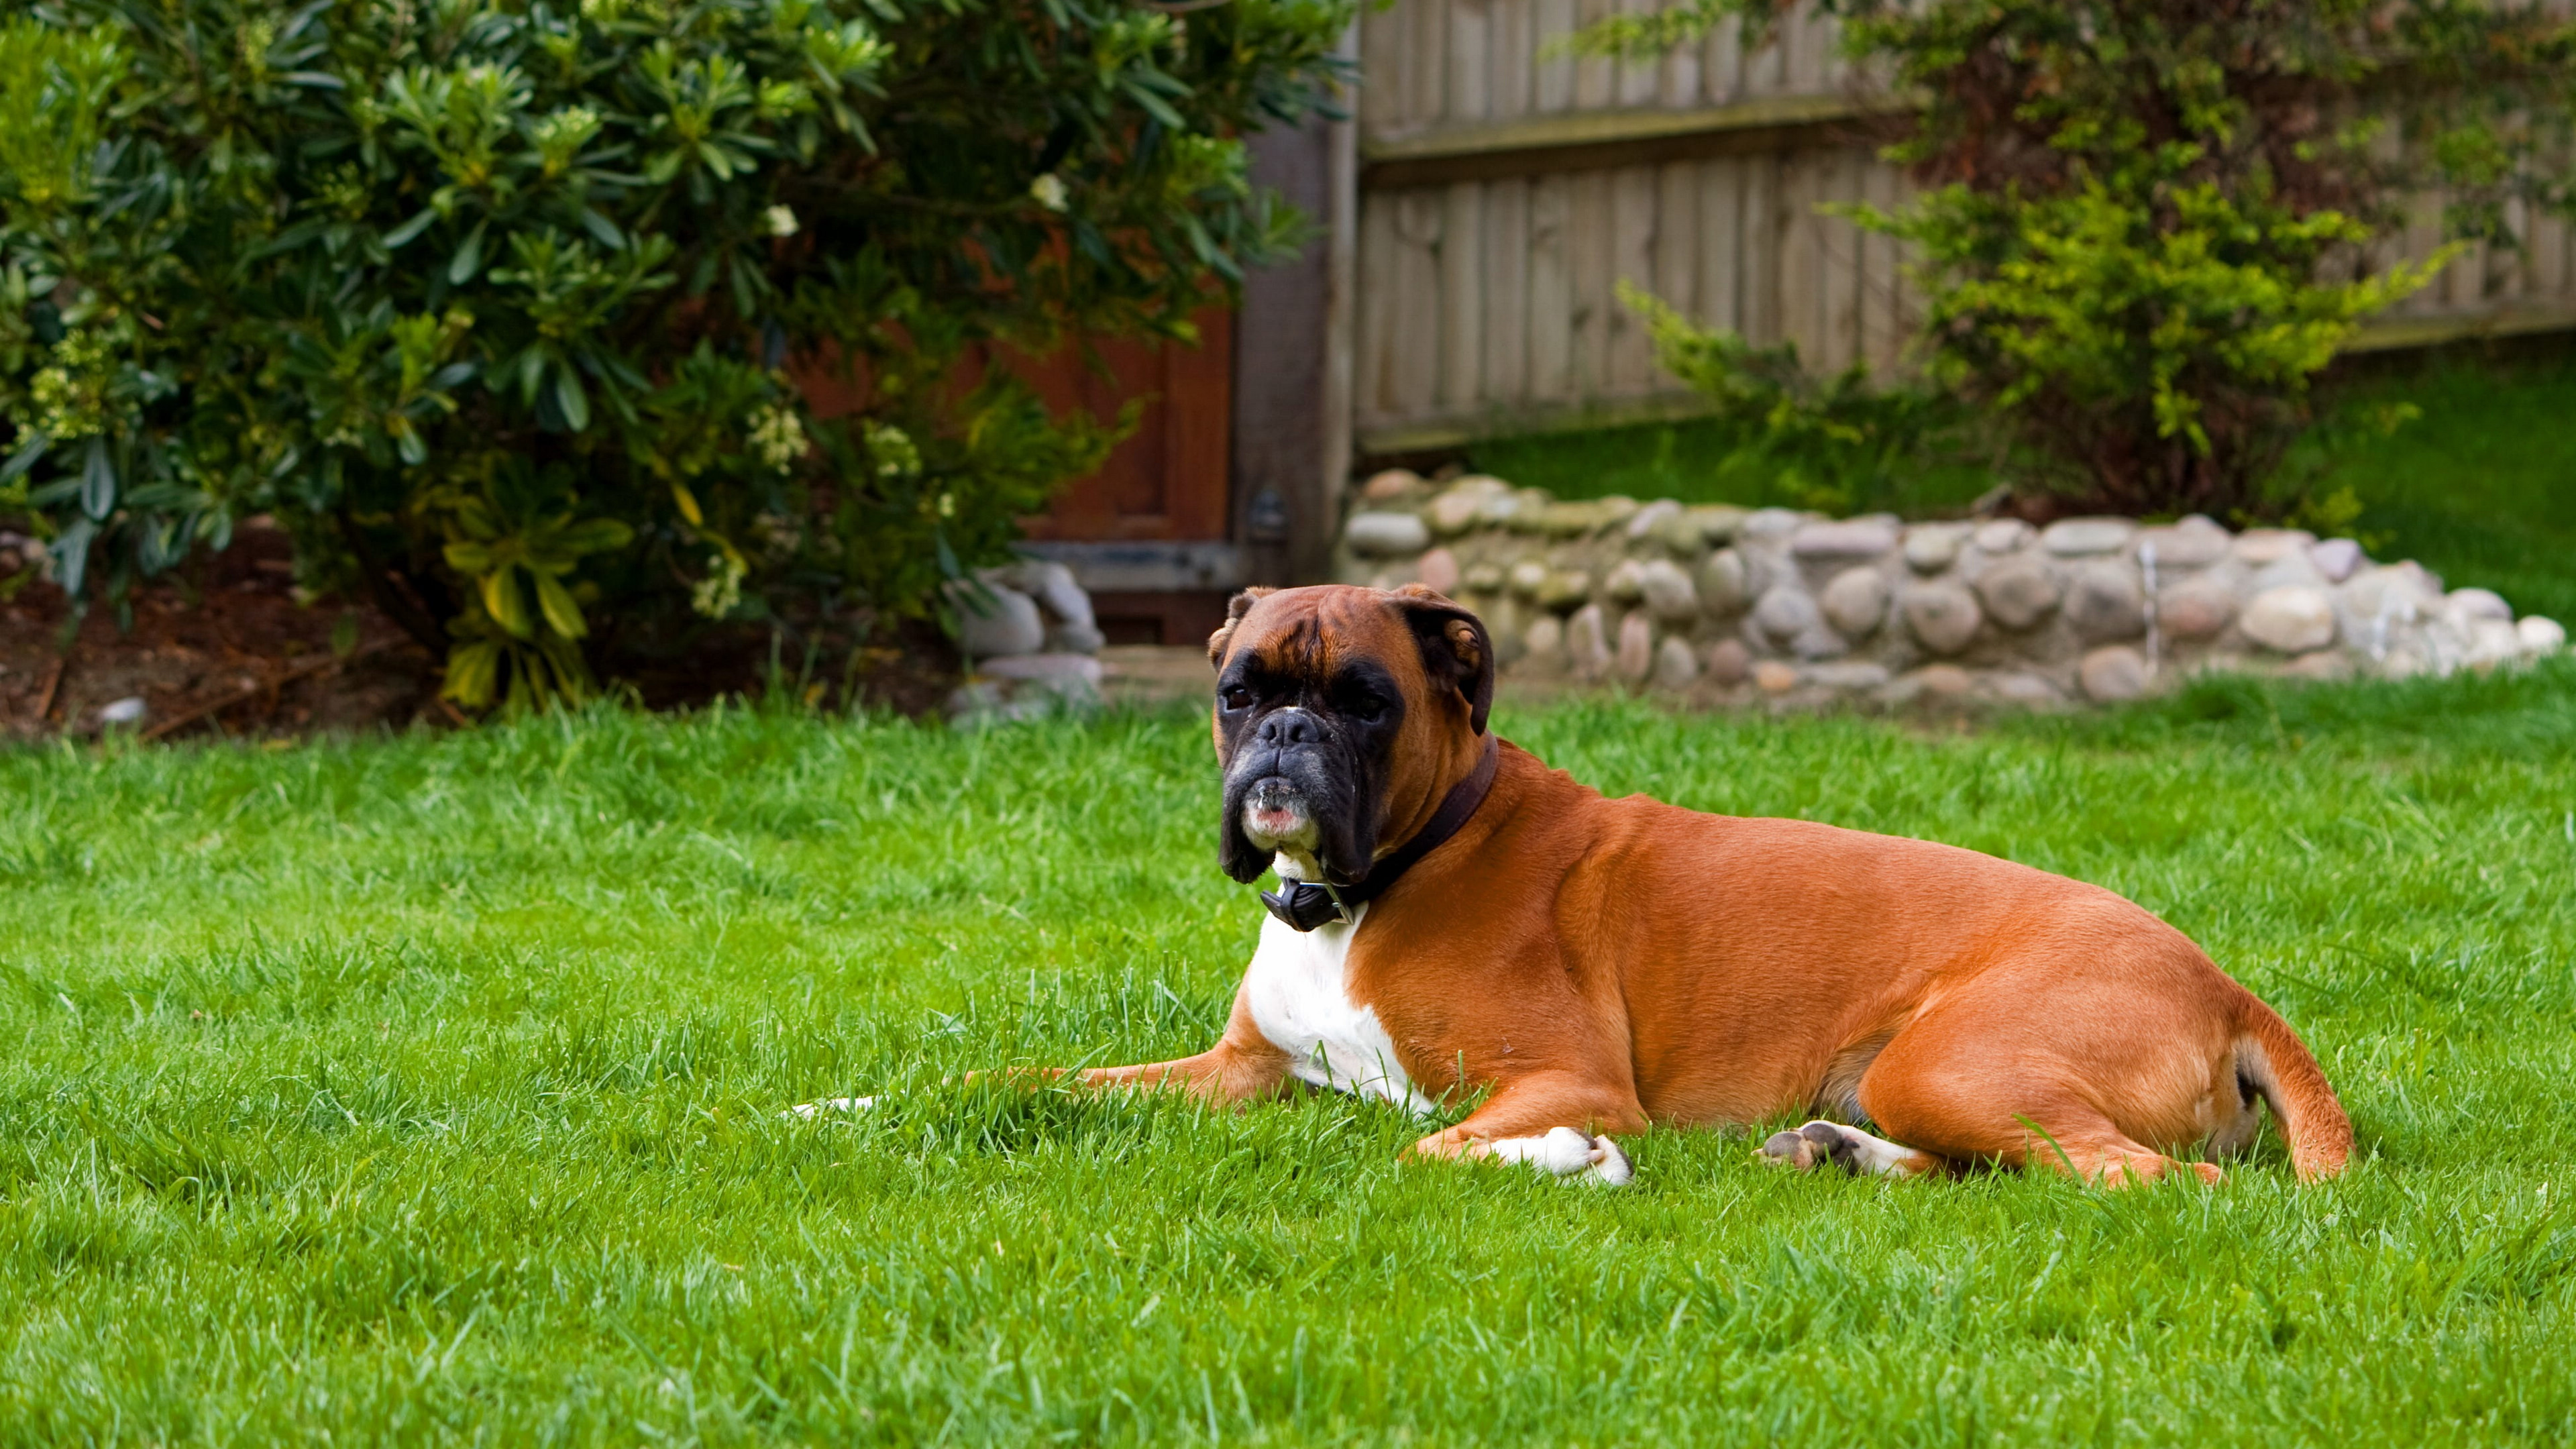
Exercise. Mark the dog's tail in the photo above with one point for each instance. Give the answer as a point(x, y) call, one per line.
point(2271, 1059)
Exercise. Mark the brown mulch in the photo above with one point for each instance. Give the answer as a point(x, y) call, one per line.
point(224, 649)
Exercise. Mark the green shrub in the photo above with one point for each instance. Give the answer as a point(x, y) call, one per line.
point(1841, 444)
point(2147, 222)
point(495, 304)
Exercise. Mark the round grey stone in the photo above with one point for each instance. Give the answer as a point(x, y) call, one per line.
point(2195, 610)
point(2336, 558)
point(1932, 547)
point(1667, 591)
point(2192, 543)
point(1729, 661)
point(1621, 585)
point(2290, 620)
point(1849, 539)
point(1545, 642)
point(1854, 676)
point(1528, 577)
point(1675, 665)
point(1653, 516)
point(2260, 546)
point(1856, 602)
point(2466, 606)
point(1717, 522)
point(2018, 593)
point(2113, 673)
point(1722, 583)
point(2079, 537)
point(1003, 621)
point(1379, 533)
point(1587, 645)
point(1635, 657)
point(1785, 612)
point(1564, 588)
point(1074, 639)
point(1943, 617)
point(2002, 535)
point(2104, 604)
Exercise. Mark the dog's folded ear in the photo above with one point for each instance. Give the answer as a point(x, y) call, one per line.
point(1240, 605)
point(1456, 650)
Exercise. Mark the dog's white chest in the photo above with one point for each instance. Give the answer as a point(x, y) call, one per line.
point(1298, 990)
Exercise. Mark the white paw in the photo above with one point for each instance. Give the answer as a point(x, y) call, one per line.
point(808, 1111)
point(1566, 1153)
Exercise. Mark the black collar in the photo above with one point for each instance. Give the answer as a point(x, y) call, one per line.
point(1305, 905)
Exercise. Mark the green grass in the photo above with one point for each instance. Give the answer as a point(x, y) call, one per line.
point(426, 1090)
point(2481, 488)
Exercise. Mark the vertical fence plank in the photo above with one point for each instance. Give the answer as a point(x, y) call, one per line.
point(1721, 70)
point(1801, 288)
point(1838, 256)
point(1677, 248)
point(1681, 84)
point(1382, 71)
point(1629, 357)
point(1462, 297)
point(1373, 385)
point(1471, 62)
point(1415, 349)
point(1511, 56)
point(1426, 43)
point(1507, 291)
point(1555, 73)
point(1880, 334)
point(1596, 80)
point(1551, 289)
point(1638, 77)
point(1760, 230)
point(1721, 255)
point(1588, 259)
point(2549, 256)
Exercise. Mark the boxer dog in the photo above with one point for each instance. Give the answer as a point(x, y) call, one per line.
point(1458, 922)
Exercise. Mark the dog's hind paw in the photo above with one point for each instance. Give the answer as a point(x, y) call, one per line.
point(1811, 1147)
point(808, 1111)
point(1848, 1148)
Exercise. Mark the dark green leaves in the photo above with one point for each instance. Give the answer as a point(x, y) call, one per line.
point(528, 298)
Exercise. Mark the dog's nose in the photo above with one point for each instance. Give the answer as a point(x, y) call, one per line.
point(1289, 727)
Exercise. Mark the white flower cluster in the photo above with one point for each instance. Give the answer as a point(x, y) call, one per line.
point(715, 596)
point(777, 437)
point(894, 451)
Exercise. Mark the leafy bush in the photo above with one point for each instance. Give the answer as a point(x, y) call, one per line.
point(1839, 444)
point(2146, 225)
point(497, 304)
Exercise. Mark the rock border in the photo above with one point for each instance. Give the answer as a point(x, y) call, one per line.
point(1735, 605)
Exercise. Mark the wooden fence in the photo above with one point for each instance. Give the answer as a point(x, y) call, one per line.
point(1504, 194)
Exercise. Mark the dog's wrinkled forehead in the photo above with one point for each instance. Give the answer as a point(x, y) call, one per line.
point(1313, 635)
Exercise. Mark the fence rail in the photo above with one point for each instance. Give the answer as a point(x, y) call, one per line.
point(1505, 193)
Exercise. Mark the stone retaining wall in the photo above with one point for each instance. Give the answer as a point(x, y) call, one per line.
point(1731, 606)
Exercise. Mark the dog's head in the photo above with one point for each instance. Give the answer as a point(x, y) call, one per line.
point(1343, 716)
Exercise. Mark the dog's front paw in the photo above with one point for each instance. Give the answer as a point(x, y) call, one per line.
point(1566, 1153)
point(808, 1111)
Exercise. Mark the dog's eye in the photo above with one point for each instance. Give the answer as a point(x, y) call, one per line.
point(1236, 698)
point(1369, 708)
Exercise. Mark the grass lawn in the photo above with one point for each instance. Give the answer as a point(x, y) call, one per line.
point(2481, 488)
point(427, 1089)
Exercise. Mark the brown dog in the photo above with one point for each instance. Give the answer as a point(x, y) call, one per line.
point(1594, 965)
